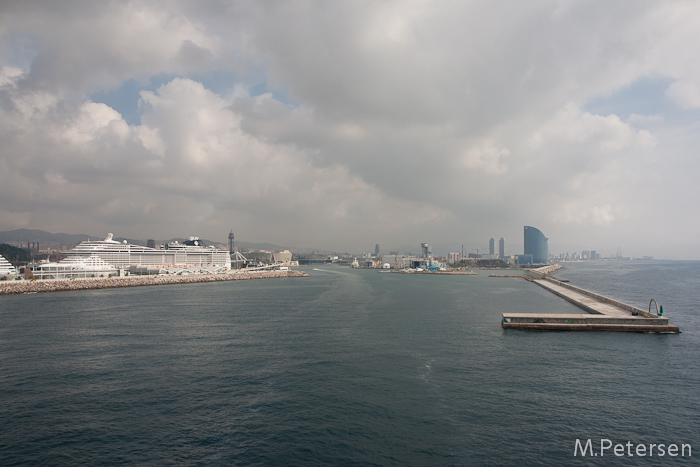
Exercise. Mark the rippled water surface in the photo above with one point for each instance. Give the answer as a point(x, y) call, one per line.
point(345, 367)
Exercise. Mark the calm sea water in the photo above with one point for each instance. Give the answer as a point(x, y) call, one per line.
point(346, 367)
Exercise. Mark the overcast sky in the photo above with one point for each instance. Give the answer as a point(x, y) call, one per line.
point(341, 124)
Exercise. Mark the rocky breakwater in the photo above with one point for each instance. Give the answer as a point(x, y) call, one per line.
point(26, 286)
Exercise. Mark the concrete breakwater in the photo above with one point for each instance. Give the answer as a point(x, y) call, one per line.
point(26, 286)
point(604, 314)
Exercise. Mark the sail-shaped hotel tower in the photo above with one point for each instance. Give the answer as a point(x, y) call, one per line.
point(536, 245)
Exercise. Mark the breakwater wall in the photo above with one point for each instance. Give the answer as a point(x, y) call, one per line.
point(571, 322)
point(26, 286)
point(544, 271)
point(603, 298)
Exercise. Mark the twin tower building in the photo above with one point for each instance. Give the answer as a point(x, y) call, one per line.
point(501, 247)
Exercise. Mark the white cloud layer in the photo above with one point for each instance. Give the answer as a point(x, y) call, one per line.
point(339, 125)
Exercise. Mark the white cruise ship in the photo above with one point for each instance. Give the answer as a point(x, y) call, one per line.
point(75, 267)
point(6, 269)
point(191, 254)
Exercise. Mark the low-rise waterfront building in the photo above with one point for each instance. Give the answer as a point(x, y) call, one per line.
point(453, 258)
point(269, 257)
point(525, 259)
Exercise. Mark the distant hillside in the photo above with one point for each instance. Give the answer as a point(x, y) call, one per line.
point(258, 246)
point(13, 254)
point(22, 236)
point(48, 239)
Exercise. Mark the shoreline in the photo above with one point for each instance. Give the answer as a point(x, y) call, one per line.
point(60, 285)
point(446, 273)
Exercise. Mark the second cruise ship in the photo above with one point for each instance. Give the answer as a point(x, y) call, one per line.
point(190, 254)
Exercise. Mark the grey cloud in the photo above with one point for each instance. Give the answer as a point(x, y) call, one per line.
point(457, 121)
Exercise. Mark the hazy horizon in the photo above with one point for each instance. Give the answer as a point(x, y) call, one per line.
point(387, 250)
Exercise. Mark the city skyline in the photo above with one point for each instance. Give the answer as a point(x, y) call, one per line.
point(33, 240)
point(341, 125)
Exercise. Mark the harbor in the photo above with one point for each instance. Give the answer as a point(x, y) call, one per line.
point(338, 343)
point(601, 313)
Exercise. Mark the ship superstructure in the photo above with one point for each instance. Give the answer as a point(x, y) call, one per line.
point(6, 269)
point(75, 267)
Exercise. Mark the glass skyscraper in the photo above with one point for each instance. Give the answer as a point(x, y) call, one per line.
point(536, 245)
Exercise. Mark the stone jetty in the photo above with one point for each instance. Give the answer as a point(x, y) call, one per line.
point(34, 286)
point(602, 313)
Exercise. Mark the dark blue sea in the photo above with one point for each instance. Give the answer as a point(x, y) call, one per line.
point(346, 367)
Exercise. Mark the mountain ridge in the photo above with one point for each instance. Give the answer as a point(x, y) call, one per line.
point(24, 236)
